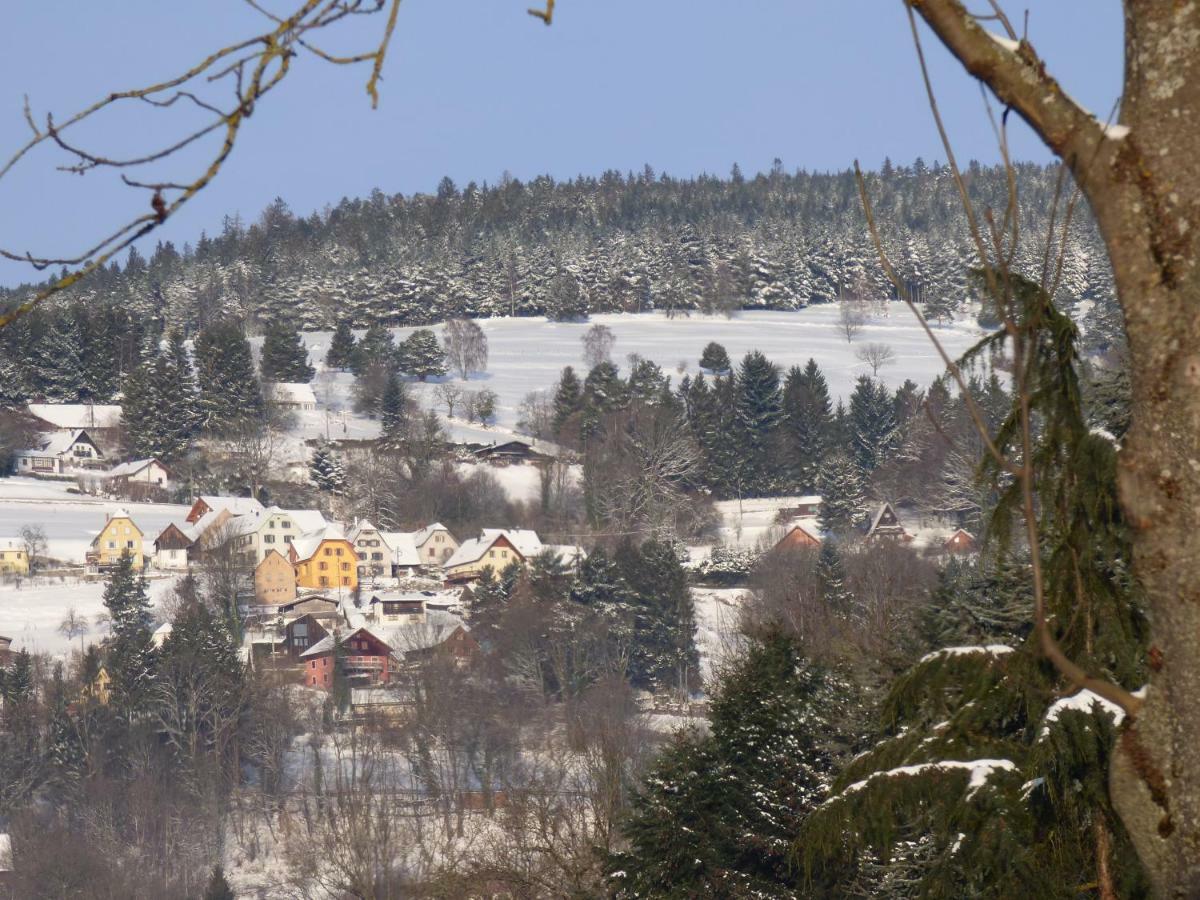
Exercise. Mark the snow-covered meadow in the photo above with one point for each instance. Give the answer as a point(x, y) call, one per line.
point(527, 354)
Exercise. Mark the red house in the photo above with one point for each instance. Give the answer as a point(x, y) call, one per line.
point(799, 534)
point(364, 659)
point(962, 541)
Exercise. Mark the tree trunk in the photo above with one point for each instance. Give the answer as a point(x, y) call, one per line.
point(1143, 185)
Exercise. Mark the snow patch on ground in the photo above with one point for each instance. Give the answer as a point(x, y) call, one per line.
point(718, 611)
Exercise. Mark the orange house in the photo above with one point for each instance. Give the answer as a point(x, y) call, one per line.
point(324, 559)
point(274, 580)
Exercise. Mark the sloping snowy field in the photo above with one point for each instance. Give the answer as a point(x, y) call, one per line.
point(527, 354)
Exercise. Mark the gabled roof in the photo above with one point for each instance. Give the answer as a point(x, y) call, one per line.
point(184, 539)
point(361, 526)
point(403, 547)
point(525, 542)
point(422, 535)
point(238, 506)
point(879, 514)
point(568, 554)
point(129, 469)
point(325, 644)
point(307, 519)
point(808, 528)
point(269, 554)
point(305, 546)
point(291, 391)
point(77, 415)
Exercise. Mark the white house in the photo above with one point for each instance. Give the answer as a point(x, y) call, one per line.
point(405, 558)
point(374, 552)
point(150, 473)
point(435, 544)
point(291, 394)
point(255, 534)
point(57, 453)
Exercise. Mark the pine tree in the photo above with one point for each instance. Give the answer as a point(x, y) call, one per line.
point(603, 391)
point(842, 498)
point(284, 356)
point(873, 418)
point(131, 652)
point(831, 574)
point(393, 409)
point(422, 356)
point(717, 814)
point(340, 354)
point(808, 423)
point(376, 348)
point(715, 360)
point(229, 389)
point(325, 470)
point(758, 414)
point(663, 652)
point(568, 399)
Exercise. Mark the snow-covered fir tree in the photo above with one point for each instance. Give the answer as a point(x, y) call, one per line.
point(284, 356)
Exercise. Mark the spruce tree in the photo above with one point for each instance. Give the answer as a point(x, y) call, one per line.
point(831, 574)
point(758, 412)
point(808, 424)
point(717, 814)
point(340, 354)
point(229, 388)
point(131, 651)
point(393, 409)
point(873, 419)
point(325, 470)
point(376, 348)
point(663, 617)
point(715, 360)
point(568, 398)
point(422, 356)
point(284, 356)
point(842, 497)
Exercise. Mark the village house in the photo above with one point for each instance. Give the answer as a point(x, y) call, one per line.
point(324, 608)
point(435, 544)
point(405, 558)
point(255, 534)
point(161, 633)
point(375, 558)
point(364, 660)
point(119, 535)
point(235, 506)
point(300, 634)
point(801, 508)
point(7, 654)
point(798, 535)
point(14, 559)
point(886, 524)
point(962, 541)
point(171, 549)
point(294, 395)
point(495, 548)
point(324, 559)
point(456, 642)
point(403, 608)
point(139, 478)
point(274, 580)
point(100, 687)
point(510, 452)
point(59, 453)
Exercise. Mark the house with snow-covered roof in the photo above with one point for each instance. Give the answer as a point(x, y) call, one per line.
point(235, 506)
point(435, 544)
point(14, 558)
point(148, 474)
point(274, 580)
point(58, 452)
point(171, 549)
point(962, 541)
point(255, 534)
point(324, 559)
point(799, 534)
point(291, 394)
point(371, 547)
point(365, 659)
point(118, 536)
point(886, 524)
point(495, 548)
point(405, 558)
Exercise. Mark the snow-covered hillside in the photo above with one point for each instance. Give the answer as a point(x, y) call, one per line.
point(527, 354)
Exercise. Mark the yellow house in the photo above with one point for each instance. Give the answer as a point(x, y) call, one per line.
point(13, 559)
point(274, 580)
point(118, 536)
point(100, 688)
point(493, 549)
point(324, 559)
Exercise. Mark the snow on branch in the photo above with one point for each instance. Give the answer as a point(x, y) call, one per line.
point(988, 649)
point(980, 770)
point(1084, 701)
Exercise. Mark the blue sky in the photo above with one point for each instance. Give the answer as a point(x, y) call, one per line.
point(474, 88)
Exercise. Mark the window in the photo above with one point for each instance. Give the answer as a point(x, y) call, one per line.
point(362, 556)
point(437, 538)
point(285, 524)
point(431, 551)
point(324, 581)
point(287, 538)
point(268, 538)
point(345, 567)
point(338, 551)
point(323, 565)
point(112, 545)
point(504, 553)
point(377, 556)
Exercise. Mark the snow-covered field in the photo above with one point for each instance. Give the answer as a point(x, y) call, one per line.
point(527, 354)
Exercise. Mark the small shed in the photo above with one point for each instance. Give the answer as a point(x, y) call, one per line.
point(962, 541)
